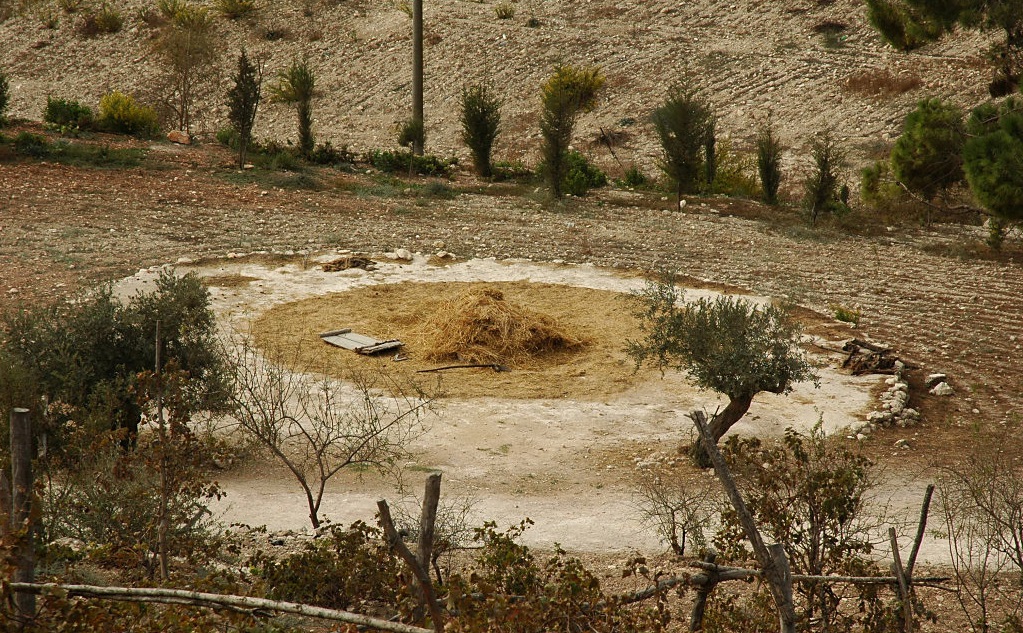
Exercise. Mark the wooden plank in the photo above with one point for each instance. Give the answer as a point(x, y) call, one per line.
point(360, 343)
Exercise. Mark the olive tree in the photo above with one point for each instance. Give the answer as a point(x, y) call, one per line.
point(188, 47)
point(317, 426)
point(728, 344)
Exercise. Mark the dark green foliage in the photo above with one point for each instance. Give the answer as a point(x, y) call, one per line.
point(908, 24)
point(296, 85)
point(243, 102)
point(633, 178)
point(5, 97)
point(33, 145)
point(821, 187)
point(580, 175)
point(993, 157)
point(684, 125)
point(398, 163)
point(927, 157)
point(769, 151)
point(342, 569)
point(327, 154)
point(89, 354)
point(566, 93)
point(728, 345)
point(481, 121)
point(412, 133)
point(67, 114)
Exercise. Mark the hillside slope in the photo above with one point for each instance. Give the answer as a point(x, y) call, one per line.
point(754, 59)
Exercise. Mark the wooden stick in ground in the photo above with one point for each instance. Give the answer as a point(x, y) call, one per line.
point(700, 605)
point(920, 529)
point(427, 520)
point(900, 575)
point(183, 596)
point(777, 578)
point(21, 508)
point(420, 572)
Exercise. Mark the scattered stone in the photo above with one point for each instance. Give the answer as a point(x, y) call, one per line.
point(942, 389)
point(179, 137)
point(184, 261)
point(934, 379)
point(403, 254)
point(349, 262)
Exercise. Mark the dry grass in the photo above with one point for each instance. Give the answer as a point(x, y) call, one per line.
point(481, 326)
point(882, 83)
point(412, 312)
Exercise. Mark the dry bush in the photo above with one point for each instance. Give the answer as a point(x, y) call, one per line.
point(882, 83)
point(479, 326)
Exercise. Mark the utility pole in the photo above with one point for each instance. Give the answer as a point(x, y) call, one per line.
point(417, 72)
point(21, 508)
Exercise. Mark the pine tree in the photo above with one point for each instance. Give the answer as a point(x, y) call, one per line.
point(243, 101)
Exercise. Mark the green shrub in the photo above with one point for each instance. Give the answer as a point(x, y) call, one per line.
point(412, 132)
point(505, 11)
point(235, 9)
point(512, 170)
point(296, 85)
point(341, 569)
point(121, 114)
point(274, 156)
point(95, 23)
point(734, 173)
point(846, 315)
point(29, 144)
point(481, 121)
point(580, 175)
point(632, 178)
point(70, 6)
point(399, 162)
point(928, 156)
point(66, 113)
point(228, 137)
point(327, 154)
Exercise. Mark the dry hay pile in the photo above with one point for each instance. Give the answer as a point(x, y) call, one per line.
point(480, 326)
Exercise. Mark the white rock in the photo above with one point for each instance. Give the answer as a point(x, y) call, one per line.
point(933, 379)
point(942, 389)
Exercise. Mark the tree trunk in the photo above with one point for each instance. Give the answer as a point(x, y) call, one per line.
point(719, 425)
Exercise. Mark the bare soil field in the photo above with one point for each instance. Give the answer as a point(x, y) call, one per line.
point(941, 299)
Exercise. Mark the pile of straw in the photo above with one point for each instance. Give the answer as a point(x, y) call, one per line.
point(479, 326)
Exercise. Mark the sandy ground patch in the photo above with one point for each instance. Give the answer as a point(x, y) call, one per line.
point(568, 462)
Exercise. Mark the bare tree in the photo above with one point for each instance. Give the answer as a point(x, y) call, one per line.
point(679, 512)
point(317, 425)
point(188, 47)
point(982, 504)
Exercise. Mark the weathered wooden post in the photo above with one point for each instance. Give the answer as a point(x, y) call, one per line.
point(704, 591)
point(773, 563)
point(21, 508)
point(417, 72)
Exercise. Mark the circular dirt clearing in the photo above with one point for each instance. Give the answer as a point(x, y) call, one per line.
point(586, 358)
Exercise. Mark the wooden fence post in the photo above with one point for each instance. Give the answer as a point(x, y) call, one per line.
point(774, 565)
point(700, 605)
point(21, 508)
point(417, 71)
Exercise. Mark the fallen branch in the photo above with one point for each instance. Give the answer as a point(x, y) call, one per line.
point(213, 600)
point(495, 366)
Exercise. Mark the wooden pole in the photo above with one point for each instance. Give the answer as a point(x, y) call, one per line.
point(420, 569)
point(201, 599)
point(772, 561)
point(21, 508)
point(920, 529)
point(700, 605)
point(417, 71)
point(902, 584)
